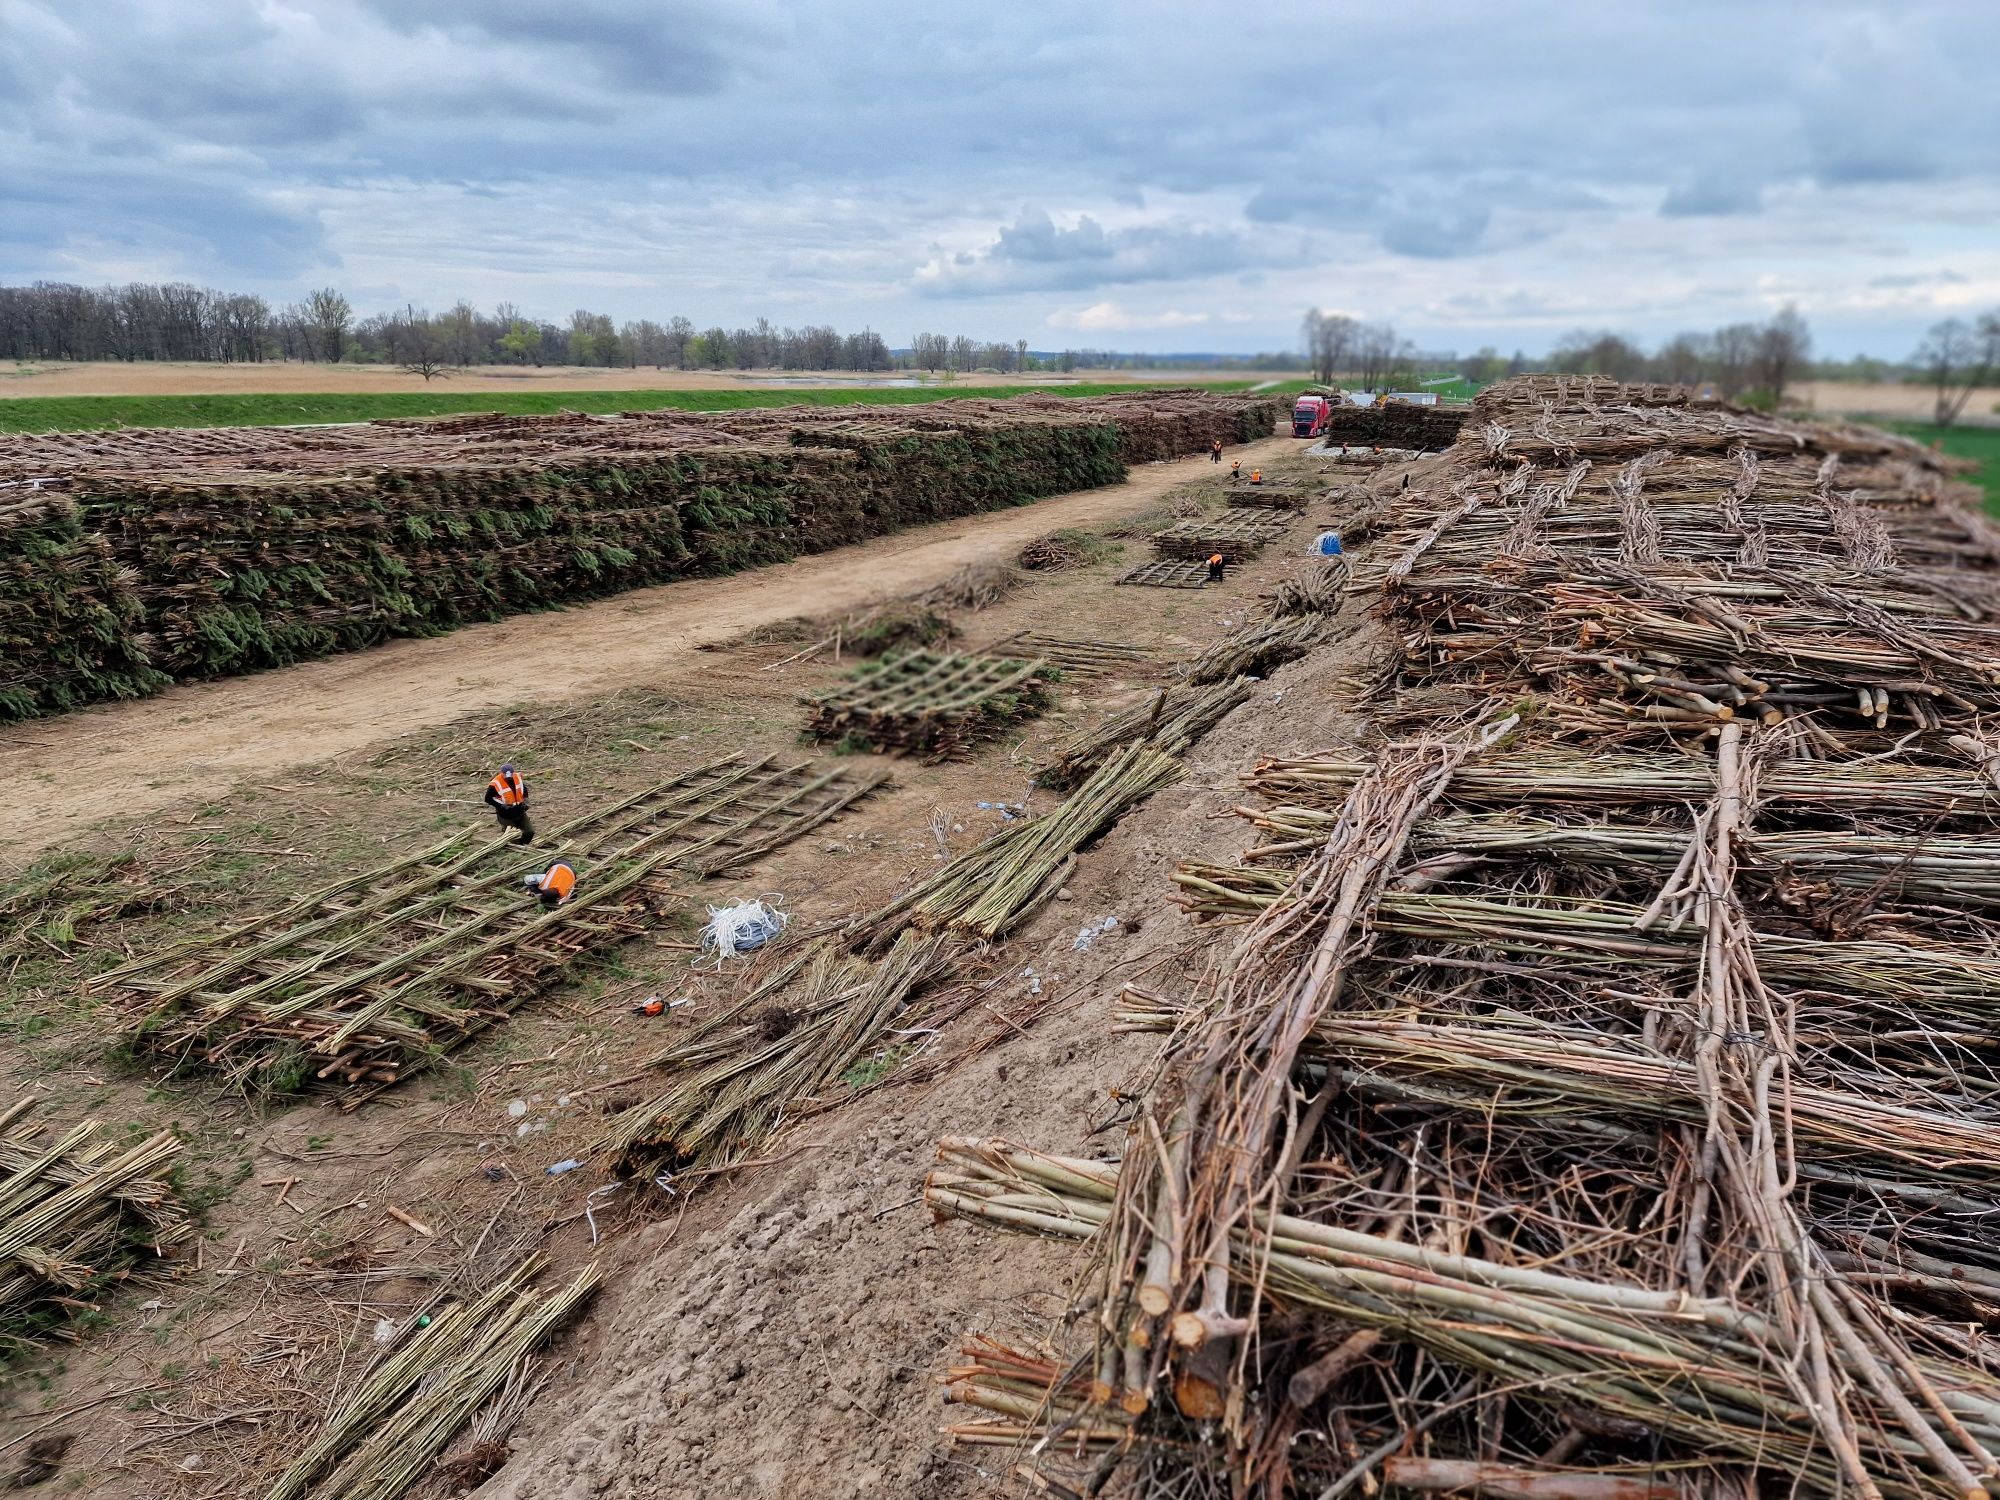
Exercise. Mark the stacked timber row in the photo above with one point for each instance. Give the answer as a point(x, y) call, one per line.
point(146, 556)
point(1395, 424)
point(1594, 1095)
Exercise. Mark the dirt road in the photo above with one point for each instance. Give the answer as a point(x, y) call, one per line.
point(194, 742)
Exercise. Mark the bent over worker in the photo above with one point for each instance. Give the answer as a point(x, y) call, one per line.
point(1256, 476)
point(507, 795)
point(554, 885)
point(1215, 567)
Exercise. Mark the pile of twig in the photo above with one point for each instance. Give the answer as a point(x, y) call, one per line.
point(1235, 537)
point(79, 1215)
point(390, 1428)
point(1561, 1121)
point(781, 1053)
point(1062, 551)
point(1256, 648)
point(928, 703)
point(1171, 720)
point(1317, 592)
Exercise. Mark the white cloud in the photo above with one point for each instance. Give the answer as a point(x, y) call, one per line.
point(1109, 317)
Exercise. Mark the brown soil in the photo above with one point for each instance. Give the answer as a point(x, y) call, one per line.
point(193, 742)
point(780, 1332)
point(117, 378)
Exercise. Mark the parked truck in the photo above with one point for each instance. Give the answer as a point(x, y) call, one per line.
point(1310, 415)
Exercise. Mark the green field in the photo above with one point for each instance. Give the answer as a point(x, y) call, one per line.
point(1981, 444)
point(84, 413)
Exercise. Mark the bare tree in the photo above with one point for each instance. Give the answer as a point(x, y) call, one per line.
point(1782, 347)
point(680, 333)
point(1331, 340)
point(330, 315)
point(1957, 358)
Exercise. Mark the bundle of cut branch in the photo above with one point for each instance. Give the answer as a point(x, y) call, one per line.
point(1171, 720)
point(78, 1216)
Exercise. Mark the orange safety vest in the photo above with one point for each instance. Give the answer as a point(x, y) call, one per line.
point(558, 880)
point(1215, 560)
point(510, 789)
point(1256, 476)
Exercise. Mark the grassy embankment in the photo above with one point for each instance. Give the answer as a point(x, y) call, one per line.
point(86, 413)
point(1980, 444)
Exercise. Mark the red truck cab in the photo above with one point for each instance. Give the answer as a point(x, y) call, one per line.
point(1309, 416)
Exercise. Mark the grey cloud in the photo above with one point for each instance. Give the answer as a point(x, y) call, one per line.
point(1034, 255)
point(1712, 197)
point(1918, 278)
point(1035, 238)
point(1437, 231)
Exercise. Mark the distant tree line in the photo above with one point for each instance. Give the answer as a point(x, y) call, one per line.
point(179, 321)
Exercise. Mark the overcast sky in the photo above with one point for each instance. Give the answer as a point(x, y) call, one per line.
point(1123, 174)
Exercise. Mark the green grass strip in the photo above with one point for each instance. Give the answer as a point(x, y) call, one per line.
point(1981, 444)
point(276, 409)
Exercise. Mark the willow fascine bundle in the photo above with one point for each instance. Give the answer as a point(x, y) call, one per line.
point(1235, 537)
point(171, 555)
point(78, 1216)
point(403, 1413)
point(1704, 1372)
point(734, 1084)
point(986, 891)
point(1257, 648)
point(933, 704)
point(1171, 719)
point(1648, 1100)
point(374, 977)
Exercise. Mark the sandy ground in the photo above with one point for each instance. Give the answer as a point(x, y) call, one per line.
point(780, 1333)
point(194, 742)
point(1910, 403)
point(115, 378)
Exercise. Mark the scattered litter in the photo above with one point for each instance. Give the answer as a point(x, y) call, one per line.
point(742, 927)
point(194, 1463)
point(1279, 696)
point(1327, 544)
point(1008, 811)
point(592, 1203)
point(154, 1306)
point(492, 1171)
point(557, 1169)
point(517, 1108)
point(1034, 980)
point(562, 1101)
point(531, 1127)
point(653, 1005)
point(384, 1330)
point(1089, 934)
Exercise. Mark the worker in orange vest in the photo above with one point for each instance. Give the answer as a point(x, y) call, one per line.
point(1256, 476)
point(1215, 567)
point(554, 885)
point(1215, 451)
point(507, 795)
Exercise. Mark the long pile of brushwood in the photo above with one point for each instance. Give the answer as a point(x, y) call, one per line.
point(1395, 424)
point(1596, 1096)
point(71, 627)
point(206, 553)
point(79, 1215)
